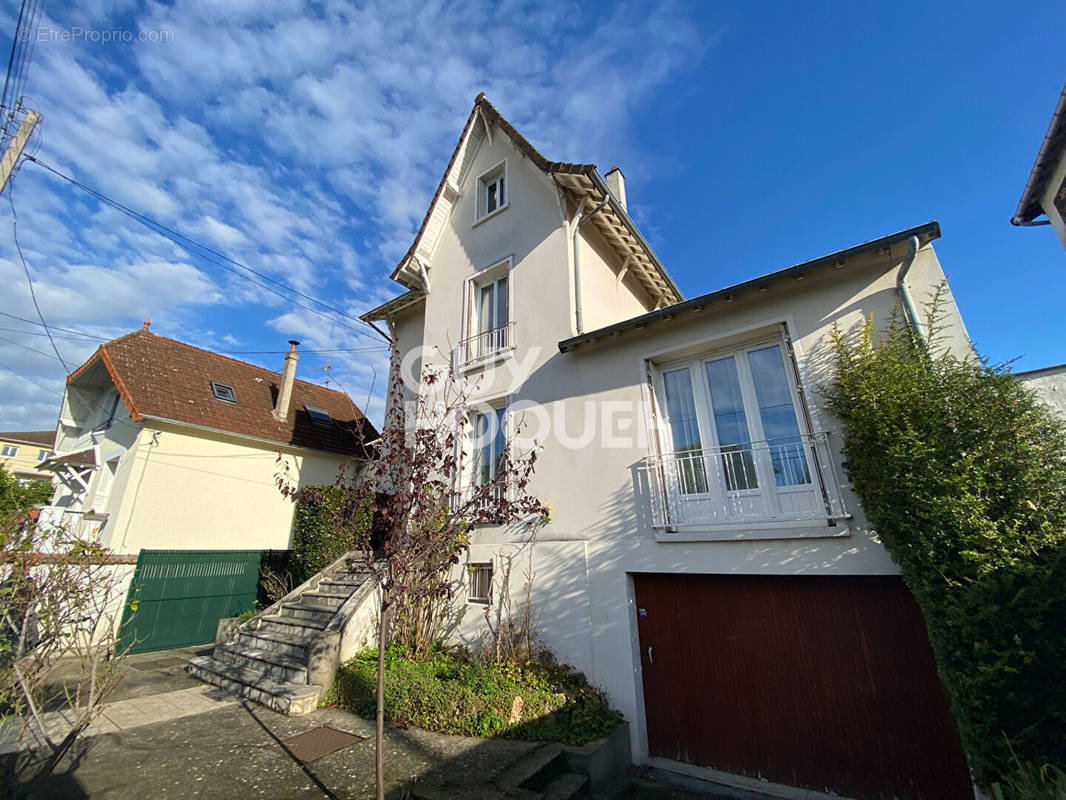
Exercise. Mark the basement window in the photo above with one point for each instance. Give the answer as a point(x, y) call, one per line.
point(319, 416)
point(480, 587)
point(223, 392)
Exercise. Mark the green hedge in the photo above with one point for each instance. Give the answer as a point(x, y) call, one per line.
point(453, 693)
point(329, 521)
point(962, 473)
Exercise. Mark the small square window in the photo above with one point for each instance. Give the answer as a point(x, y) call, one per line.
point(9, 451)
point(319, 416)
point(480, 589)
point(223, 392)
point(492, 191)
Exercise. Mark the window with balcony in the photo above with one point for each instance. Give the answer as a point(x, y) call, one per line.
point(489, 440)
point(488, 316)
point(735, 449)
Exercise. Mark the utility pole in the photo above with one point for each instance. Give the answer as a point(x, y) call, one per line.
point(14, 150)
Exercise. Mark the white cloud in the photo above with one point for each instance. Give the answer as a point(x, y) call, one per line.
point(303, 142)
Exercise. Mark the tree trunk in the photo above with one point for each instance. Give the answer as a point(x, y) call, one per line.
point(379, 749)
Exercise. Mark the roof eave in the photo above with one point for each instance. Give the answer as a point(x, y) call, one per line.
point(1051, 149)
point(925, 233)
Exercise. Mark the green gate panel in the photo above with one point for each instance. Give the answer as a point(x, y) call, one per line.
point(177, 597)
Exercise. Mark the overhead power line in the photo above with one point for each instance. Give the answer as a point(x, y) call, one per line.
point(213, 256)
point(26, 267)
point(31, 380)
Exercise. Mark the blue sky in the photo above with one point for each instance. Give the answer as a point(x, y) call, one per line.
point(307, 141)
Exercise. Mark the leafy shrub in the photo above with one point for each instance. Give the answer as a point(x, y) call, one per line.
point(18, 497)
point(962, 473)
point(329, 520)
point(450, 692)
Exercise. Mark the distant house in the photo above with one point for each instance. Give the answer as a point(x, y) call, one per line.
point(707, 561)
point(1045, 190)
point(168, 453)
point(22, 452)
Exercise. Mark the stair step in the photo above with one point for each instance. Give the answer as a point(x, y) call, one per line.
point(303, 611)
point(566, 786)
point(288, 698)
point(533, 771)
point(271, 663)
point(337, 588)
point(326, 600)
point(289, 625)
point(297, 645)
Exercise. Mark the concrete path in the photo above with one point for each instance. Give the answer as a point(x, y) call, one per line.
point(124, 715)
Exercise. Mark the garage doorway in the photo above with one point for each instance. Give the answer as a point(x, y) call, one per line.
point(825, 683)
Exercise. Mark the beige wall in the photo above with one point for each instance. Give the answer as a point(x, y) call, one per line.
point(204, 491)
point(25, 461)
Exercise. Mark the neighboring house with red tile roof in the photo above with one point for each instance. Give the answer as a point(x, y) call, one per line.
point(22, 452)
point(162, 445)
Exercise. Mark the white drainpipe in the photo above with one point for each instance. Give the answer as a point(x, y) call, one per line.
point(905, 291)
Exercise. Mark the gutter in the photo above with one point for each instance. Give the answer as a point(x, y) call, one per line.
point(1054, 139)
point(927, 232)
point(905, 291)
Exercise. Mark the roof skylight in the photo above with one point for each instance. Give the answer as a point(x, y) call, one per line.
point(319, 416)
point(224, 392)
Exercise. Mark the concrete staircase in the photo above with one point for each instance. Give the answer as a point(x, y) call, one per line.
point(543, 774)
point(285, 656)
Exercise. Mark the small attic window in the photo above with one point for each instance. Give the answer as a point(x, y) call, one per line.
point(492, 191)
point(319, 416)
point(223, 392)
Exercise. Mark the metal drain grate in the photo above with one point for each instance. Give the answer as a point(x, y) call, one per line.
point(317, 743)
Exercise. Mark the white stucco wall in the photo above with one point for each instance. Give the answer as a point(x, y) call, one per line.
point(1047, 201)
point(1050, 386)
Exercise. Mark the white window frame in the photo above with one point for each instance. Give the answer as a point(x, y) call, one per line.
point(503, 419)
point(9, 451)
point(479, 582)
point(489, 177)
point(44, 454)
point(695, 360)
point(471, 320)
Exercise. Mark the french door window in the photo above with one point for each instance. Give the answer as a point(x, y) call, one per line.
point(735, 440)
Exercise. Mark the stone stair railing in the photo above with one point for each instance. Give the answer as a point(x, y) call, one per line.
point(288, 654)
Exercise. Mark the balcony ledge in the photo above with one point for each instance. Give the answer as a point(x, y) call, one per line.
point(755, 531)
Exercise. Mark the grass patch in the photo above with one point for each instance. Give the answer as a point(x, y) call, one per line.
point(450, 692)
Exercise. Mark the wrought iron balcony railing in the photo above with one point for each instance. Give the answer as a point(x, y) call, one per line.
point(779, 480)
point(483, 345)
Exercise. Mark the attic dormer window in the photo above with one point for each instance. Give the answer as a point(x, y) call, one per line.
point(492, 191)
point(223, 392)
point(319, 416)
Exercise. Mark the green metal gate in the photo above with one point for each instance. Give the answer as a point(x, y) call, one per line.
point(177, 597)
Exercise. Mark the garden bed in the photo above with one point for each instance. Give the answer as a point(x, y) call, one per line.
point(451, 692)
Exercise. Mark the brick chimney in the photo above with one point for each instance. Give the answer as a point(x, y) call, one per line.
point(616, 182)
point(288, 376)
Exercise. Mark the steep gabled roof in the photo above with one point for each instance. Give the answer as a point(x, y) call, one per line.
point(580, 180)
point(164, 379)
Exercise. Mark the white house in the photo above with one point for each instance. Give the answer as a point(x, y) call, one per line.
point(169, 455)
point(706, 561)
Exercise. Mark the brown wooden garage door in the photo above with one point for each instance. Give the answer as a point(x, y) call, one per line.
point(824, 683)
